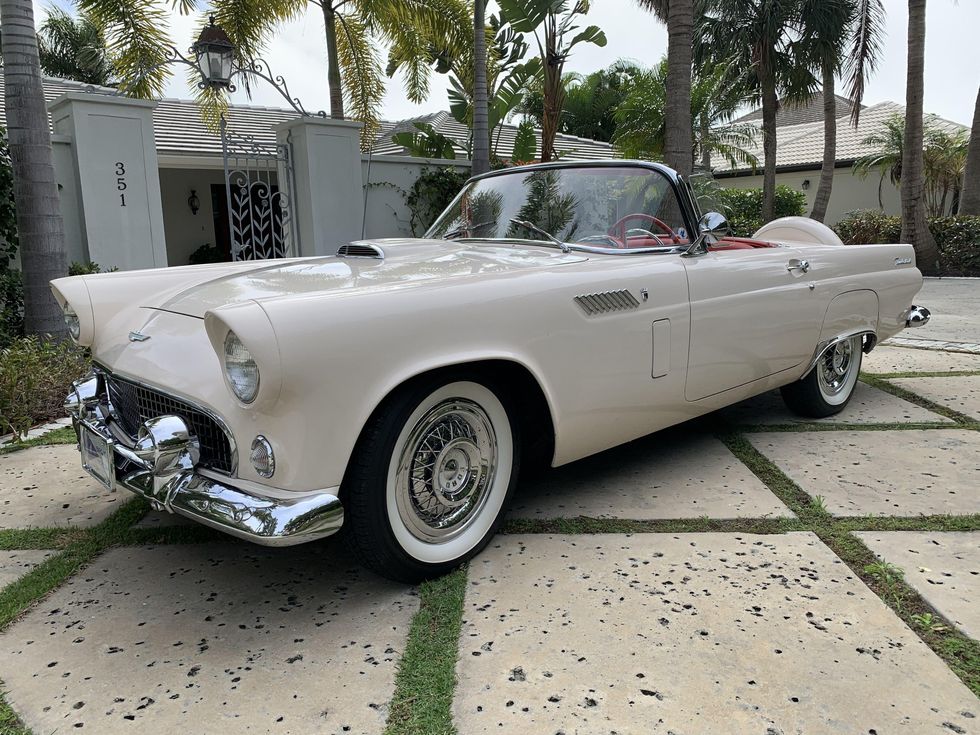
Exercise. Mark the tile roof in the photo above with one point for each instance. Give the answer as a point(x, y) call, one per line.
point(802, 145)
point(797, 113)
point(179, 129)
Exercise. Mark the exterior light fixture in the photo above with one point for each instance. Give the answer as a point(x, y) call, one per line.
point(806, 184)
point(193, 202)
point(214, 52)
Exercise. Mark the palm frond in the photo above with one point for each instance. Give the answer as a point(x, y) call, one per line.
point(363, 76)
point(869, 30)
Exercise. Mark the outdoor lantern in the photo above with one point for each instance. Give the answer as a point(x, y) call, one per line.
point(193, 202)
point(214, 52)
point(806, 184)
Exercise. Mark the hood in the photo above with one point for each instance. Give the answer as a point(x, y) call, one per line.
point(405, 264)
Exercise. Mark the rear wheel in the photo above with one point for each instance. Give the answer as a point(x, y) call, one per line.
point(828, 388)
point(431, 477)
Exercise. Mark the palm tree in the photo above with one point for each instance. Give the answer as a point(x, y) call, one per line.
point(641, 120)
point(551, 22)
point(970, 197)
point(764, 36)
point(74, 48)
point(830, 28)
point(39, 225)
point(139, 42)
point(481, 130)
point(888, 143)
point(679, 17)
point(914, 227)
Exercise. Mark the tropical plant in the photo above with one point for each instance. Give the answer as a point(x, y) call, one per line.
point(552, 23)
point(679, 17)
point(355, 31)
point(426, 142)
point(40, 228)
point(641, 119)
point(914, 227)
point(74, 48)
point(762, 36)
point(944, 158)
point(525, 143)
point(970, 197)
point(591, 101)
point(843, 36)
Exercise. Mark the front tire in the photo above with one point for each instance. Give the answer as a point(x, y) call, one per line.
point(828, 387)
point(431, 477)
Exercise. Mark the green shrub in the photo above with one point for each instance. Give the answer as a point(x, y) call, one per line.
point(958, 238)
point(34, 378)
point(431, 194)
point(743, 207)
point(207, 253)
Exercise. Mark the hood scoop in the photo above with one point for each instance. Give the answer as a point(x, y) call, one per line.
point(360, 249)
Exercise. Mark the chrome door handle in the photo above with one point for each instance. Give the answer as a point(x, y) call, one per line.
point(802, 265)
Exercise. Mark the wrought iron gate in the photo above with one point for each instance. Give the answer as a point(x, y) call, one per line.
point(258, 184)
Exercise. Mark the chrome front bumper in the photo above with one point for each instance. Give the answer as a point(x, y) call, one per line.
point(162, 467)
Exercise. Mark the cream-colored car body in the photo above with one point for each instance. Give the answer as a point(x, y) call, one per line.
point(333, 336)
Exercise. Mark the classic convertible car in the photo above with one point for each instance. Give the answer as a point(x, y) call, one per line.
point(394, 388)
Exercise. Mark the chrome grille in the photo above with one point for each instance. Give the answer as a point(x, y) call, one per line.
point(133, 404)
point(606, 302)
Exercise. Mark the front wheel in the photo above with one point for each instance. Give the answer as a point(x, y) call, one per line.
point(826, 389)
point(431, 477)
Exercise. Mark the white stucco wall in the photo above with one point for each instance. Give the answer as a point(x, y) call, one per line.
point(849, 193)
point(68, 195)
point(391, 177)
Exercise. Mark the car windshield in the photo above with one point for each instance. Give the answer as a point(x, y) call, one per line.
point(606, 207)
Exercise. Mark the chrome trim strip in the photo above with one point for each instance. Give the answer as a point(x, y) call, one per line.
point(193, 403)
point(177, 487)
point(826, 344)
point(606, 301)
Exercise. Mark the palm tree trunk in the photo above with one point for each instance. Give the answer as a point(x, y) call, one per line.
point(39, 225)
point(678, 148)
point(770, 102)
point(334, 82)
point(822, 198)
point(705, 126)
point(552, 91)
point(970, 194)
point(481, 132)
point(915, 229)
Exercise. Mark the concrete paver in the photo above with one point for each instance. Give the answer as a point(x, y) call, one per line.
point(943, 566)
point(885, 473)
point(14, 564)
point(46, 486)
point(904, 360)
point(960, 393)
point(690, 633)
point(210, 638)
point(667, 475)
point(868, 405)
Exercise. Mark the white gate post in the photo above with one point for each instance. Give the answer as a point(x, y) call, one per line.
point(118, 179)
point(327, 192)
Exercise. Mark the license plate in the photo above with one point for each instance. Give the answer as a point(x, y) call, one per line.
point(97, 457)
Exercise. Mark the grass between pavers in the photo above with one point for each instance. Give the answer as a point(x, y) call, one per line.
point(894, 426)
point(882, 384)
point(17, 539)
point(64, 435)
point(10, 723)
point(426, 679)
point(923, 374)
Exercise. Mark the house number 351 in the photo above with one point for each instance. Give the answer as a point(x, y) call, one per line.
point(121, 182)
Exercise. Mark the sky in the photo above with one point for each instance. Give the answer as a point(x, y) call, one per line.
point(952, 73)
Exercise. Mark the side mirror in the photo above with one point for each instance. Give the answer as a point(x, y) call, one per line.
point(712, 226)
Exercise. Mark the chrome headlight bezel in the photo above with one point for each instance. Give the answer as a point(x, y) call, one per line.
point(72, 321)
point(241, 370)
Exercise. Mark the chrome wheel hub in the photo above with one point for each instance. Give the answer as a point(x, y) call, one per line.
point(446, 467)
point(834, 366)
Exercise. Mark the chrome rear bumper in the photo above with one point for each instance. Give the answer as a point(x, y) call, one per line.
point(918, 316)
point(161, 467)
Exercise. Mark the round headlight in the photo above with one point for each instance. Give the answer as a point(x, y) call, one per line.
point(240, 369)
point(71, 321)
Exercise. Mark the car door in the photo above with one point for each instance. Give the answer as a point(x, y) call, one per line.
point(754, 313)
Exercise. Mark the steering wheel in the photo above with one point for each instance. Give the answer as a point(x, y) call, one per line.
point(619, 228)
point(606, 239)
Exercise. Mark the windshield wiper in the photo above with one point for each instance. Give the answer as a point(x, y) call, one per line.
point(462, 230)
point(547, 235)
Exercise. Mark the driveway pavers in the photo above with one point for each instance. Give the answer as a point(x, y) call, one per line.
point(210, 638)
point(886, 473)
point(868, 406)
point(690, 633)
point(656, 477)
point(46, 487)
point(905, 360)
point(960, 393)
point(943, 566)
point(955, 306)
point(15, 564)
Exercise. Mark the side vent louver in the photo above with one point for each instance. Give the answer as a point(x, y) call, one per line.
point(360, 250)
point(607, 302)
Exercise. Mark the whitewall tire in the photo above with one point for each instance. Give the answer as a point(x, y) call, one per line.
point(828, 387)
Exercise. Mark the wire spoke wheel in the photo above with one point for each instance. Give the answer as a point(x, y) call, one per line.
point(834, 367)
